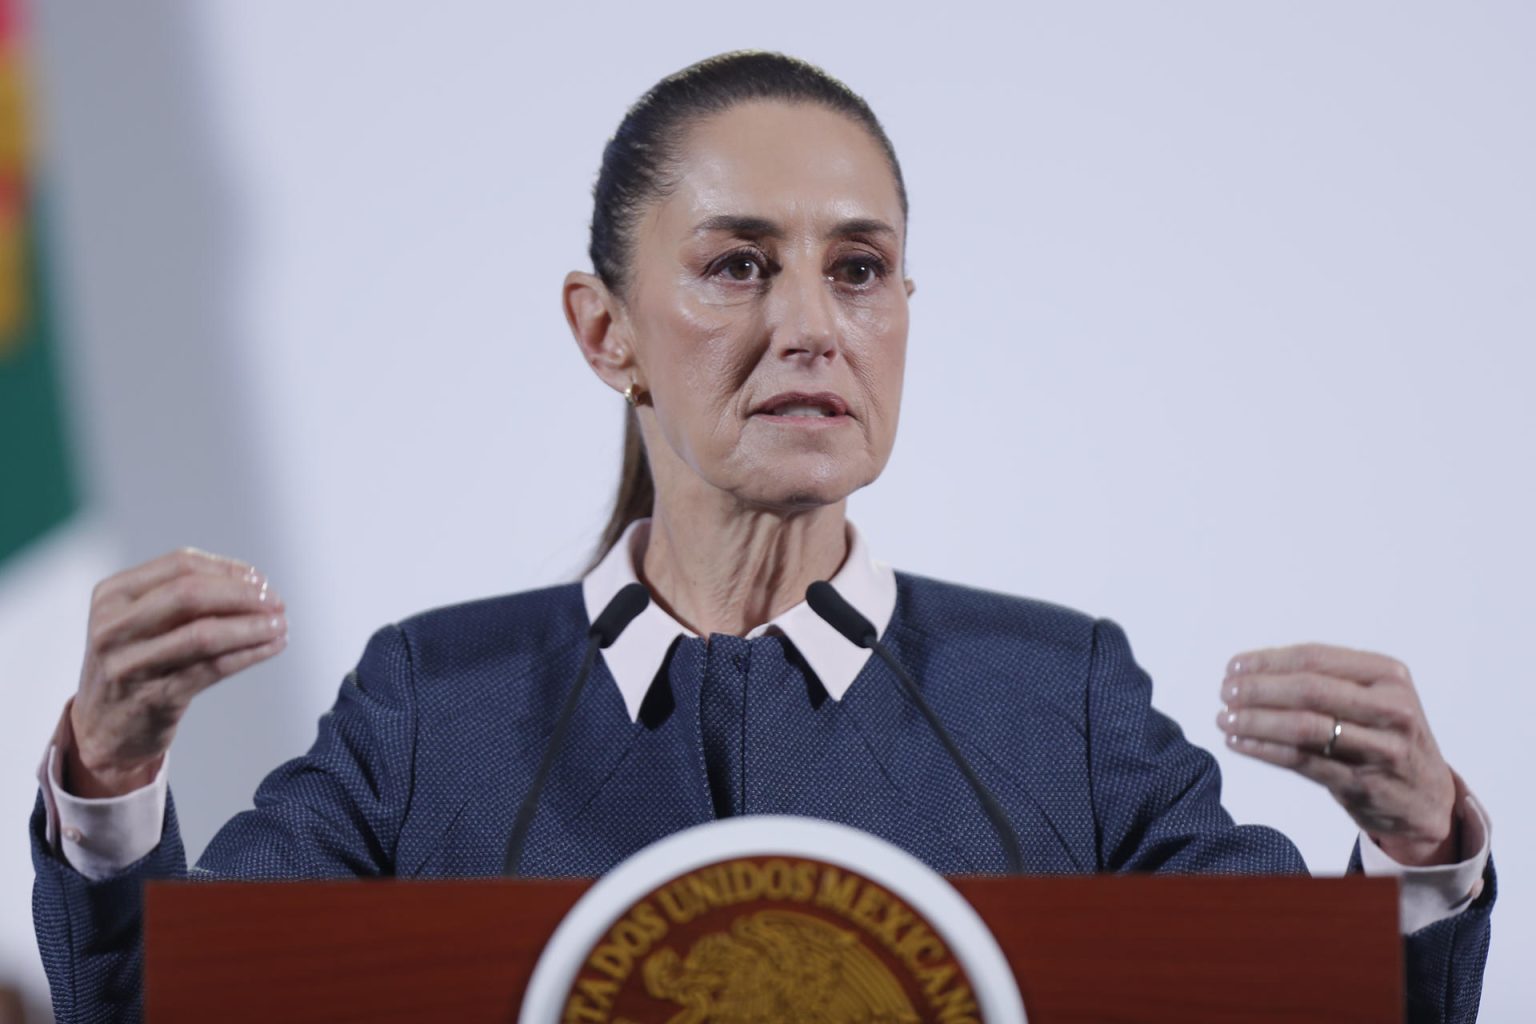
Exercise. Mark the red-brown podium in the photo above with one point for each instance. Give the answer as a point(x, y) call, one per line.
point(1084, 949)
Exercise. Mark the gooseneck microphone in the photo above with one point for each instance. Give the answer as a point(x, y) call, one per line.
point(843, 617)
point(605, 629)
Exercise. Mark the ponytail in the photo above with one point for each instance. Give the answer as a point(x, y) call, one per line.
point(637, 492)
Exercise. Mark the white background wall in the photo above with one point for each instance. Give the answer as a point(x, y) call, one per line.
point(1224, 329)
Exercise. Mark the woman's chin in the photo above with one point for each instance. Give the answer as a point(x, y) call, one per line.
point(801, 493)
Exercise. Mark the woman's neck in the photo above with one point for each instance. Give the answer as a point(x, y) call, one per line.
point(726, 570)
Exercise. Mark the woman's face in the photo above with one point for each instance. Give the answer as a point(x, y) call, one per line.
point(767, 310)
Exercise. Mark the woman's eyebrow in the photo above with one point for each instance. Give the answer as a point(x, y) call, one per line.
point(736, 224)
point(761, 227)
point(861, 226)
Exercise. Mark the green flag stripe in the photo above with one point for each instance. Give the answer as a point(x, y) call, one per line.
point(37, 485)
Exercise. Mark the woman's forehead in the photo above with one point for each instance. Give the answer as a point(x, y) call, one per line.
point(793, 166)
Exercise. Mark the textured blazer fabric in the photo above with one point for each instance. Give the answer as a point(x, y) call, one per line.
point(419, 768)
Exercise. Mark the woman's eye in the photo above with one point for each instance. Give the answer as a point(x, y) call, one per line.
point(859, 270)
point(742, 268)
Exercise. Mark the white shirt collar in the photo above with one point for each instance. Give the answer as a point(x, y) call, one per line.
point(636, 656)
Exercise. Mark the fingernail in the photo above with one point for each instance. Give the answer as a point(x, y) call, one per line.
point(253, 576)
point(1230, 718)
point(1230, 692)
point(1235, 666)
point(1232, 741)
point(276, 624)
point(264, 592)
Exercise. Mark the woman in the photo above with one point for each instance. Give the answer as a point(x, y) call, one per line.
point(749, 303)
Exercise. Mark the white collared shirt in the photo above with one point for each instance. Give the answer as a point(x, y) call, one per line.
point(637, 654)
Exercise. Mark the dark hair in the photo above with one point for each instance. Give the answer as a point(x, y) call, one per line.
point(638, 163)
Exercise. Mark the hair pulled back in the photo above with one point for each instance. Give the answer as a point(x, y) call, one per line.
point(639, 167)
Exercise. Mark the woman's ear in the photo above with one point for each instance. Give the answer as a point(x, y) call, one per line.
point(592, 311)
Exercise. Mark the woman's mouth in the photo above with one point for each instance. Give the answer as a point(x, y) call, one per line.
point(801, 410)
point(803, 407)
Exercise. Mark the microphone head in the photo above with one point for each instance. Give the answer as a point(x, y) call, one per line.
point(840, 615)
point(620, 612)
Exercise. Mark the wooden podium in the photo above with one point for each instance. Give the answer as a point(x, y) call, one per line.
point(1084, 949)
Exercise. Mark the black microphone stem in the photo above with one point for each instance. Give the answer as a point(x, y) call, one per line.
point(994, 811)
point(524, 820)
point(859, 631)
point(620, 611)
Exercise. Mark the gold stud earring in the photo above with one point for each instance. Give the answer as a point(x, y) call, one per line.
point(632, 395)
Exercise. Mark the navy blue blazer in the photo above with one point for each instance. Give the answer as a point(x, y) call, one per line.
point(419, 768)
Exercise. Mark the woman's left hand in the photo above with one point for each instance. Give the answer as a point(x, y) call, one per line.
point(1352, 722)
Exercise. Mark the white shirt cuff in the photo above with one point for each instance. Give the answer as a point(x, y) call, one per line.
point(1431, 894)
point(101, 837)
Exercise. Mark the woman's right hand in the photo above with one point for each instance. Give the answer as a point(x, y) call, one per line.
point(161, 633)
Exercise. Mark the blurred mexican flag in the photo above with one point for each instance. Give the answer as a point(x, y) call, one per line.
point(37, 485)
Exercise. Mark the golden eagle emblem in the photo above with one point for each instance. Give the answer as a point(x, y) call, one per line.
point(778, 965)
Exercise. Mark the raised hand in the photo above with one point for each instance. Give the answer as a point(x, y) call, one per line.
point(1351, 721)
point(161, 633)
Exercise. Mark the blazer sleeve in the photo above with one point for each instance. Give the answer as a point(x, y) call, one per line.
point(1157, 807)
point(1156, 796)
point(1445, 960)
point(335, 812)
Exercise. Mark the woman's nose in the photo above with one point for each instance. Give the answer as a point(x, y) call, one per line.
point(804, 320)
